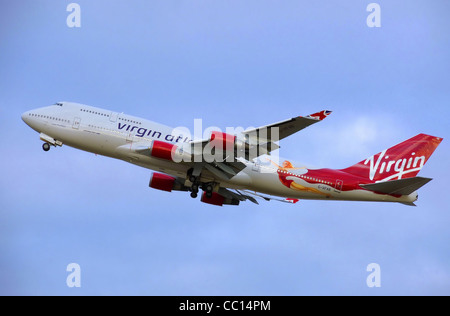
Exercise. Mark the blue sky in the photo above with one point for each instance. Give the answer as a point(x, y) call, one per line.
point(230, 63)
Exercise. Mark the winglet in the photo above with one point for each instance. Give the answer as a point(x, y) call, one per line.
point(320, 115)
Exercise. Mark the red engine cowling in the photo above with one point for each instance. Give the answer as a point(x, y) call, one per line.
point(219, 200)
point(162, 182)
point(215, 199)
point(163, 150)
point(223, 141)
point(165, 182)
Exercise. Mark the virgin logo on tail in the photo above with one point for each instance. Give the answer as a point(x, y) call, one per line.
point(402, 166)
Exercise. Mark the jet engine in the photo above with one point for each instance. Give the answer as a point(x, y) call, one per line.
point(223, 141)
point(168, 151)
point(165, 182)
point(219, 200)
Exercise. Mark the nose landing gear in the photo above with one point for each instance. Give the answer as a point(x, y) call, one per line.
point(49, 141)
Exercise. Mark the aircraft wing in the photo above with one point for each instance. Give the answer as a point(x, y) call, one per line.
point(223, 170)
point(286, 128)
point(268, 198)
point(262, 140)
point(229, 152)
point(243, 195)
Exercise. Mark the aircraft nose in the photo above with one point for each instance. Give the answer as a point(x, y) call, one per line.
point(25, 117)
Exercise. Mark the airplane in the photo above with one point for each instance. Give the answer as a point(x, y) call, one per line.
point(232, 168)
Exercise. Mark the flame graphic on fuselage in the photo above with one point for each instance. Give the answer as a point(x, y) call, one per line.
point(284, 171)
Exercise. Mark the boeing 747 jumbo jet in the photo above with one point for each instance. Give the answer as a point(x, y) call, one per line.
point(233, 167)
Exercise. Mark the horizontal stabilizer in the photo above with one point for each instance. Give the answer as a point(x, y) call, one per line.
point(408, 203)
point(402, 186)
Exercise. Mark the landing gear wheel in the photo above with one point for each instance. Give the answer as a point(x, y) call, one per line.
point(209, 188)
point(193, 179)
point(193, 195)
point(194, 188)
point(46, 146)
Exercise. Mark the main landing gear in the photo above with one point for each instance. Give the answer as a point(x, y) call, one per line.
point(207, 187)
point(194, 186)
point(194, 190)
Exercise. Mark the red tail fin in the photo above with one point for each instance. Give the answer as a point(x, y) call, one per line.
point(404, 160)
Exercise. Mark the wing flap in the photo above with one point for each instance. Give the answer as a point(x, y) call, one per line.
point(268, 198)
point(231, 195)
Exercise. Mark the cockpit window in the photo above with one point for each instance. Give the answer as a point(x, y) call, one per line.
point(58, 104)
